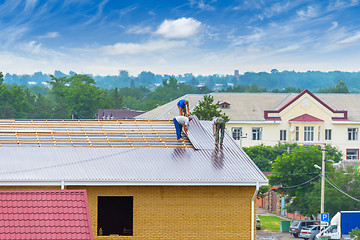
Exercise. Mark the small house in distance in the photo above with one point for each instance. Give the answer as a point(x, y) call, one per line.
point(140, 181)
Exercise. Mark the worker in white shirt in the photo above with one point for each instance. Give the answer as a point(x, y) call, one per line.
point(181, 122)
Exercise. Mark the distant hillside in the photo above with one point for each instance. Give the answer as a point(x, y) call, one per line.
point(312, 80)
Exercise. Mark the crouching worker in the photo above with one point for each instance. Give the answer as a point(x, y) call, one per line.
point(181, 122)
point(183, 106)
point(218, 126)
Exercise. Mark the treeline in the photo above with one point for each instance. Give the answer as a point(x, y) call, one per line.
point(273, 81)
point(78, 97)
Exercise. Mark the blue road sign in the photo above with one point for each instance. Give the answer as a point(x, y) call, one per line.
point(324, 217)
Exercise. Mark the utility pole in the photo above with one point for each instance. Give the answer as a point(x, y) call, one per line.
point(323, 180)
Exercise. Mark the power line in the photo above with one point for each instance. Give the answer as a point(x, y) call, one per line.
point(298, 185)
point(337, 188)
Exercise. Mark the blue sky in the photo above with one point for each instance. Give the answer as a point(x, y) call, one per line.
point(177, 37)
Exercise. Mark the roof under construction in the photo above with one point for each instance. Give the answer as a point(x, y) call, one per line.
point(89, 133)
point(120, 152)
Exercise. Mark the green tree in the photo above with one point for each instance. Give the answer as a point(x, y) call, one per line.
point(339, 88)
point(1, 78)
point(207, 109)
point(78, 95)
point(355, 233)
point(262, 156)
point(42, 108)
point(117, 99)
point(262, 191)
point(170, 90)
point(300, 180)
point(20, 102)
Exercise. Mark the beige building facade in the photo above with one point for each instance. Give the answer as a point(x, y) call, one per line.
point(269, 118)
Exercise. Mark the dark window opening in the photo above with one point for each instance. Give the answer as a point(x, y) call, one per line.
point(115, 216)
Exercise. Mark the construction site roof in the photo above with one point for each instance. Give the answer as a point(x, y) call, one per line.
point(89, 133)
point(196, 161)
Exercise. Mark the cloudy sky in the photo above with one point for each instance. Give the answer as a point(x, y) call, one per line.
point(178, 36)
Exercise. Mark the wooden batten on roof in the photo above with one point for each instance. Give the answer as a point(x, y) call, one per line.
point(89, 133)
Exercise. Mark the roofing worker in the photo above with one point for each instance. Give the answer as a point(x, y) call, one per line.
point(183, 105)
point(218, 125)
point(180, 122)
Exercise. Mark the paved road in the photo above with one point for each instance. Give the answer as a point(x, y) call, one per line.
point(269, 235)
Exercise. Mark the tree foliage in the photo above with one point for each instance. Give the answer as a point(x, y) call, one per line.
point(78, 96)
point(1, 78)
point(355, 233)
point(207, 109)
point(339, 88)
point(300, 181)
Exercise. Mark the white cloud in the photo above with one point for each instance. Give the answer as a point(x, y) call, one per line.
point(180, 28)
point(351, 40)
point(50, 35)
point(339, 4)
point(276, 9)
point(32, 47)
point(135, 48)
point(255, 37)
point(30, 5)
point(309, 12)
point(334, 25)
point(202, 5)
point(139, 30)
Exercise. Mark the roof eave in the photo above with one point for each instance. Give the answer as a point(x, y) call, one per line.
point(132, 183)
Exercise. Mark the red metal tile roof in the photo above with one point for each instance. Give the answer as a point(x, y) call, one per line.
point(306, 118)
point(50, 215)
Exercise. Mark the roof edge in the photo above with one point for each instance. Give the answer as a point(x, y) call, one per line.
point(137, 183)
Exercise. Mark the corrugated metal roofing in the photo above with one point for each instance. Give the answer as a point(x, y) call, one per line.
point(127, 166)
point(50, 215)
point(195, 162)
point(201, 136)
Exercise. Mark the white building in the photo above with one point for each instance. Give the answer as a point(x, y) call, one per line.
point(268, 118)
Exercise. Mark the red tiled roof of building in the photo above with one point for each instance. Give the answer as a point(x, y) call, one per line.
point(306, 118)
point(58, 214)
point(221, 103)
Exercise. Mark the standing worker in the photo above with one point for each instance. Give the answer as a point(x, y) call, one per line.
point(180, 122)
point(183, 105)
point(218, 125)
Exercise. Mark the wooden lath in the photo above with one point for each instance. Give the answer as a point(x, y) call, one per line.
point(90, 133)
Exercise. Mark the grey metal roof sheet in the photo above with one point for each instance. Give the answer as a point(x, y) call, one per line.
point(154, 166)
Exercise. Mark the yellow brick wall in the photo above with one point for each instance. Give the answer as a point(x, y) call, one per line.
point(178, 212)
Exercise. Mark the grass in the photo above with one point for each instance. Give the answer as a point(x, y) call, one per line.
point(270, 223)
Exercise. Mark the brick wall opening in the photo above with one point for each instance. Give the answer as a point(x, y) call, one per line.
point(115, 216)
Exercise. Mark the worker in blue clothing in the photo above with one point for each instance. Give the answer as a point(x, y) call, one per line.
point(218, 126)
point(181, 122)
point(183, 105)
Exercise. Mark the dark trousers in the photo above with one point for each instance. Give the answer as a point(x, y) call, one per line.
point(178, 128)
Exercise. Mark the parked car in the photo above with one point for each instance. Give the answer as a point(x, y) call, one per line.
point(297, 225)
point(310, 232)
point(258, 223)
